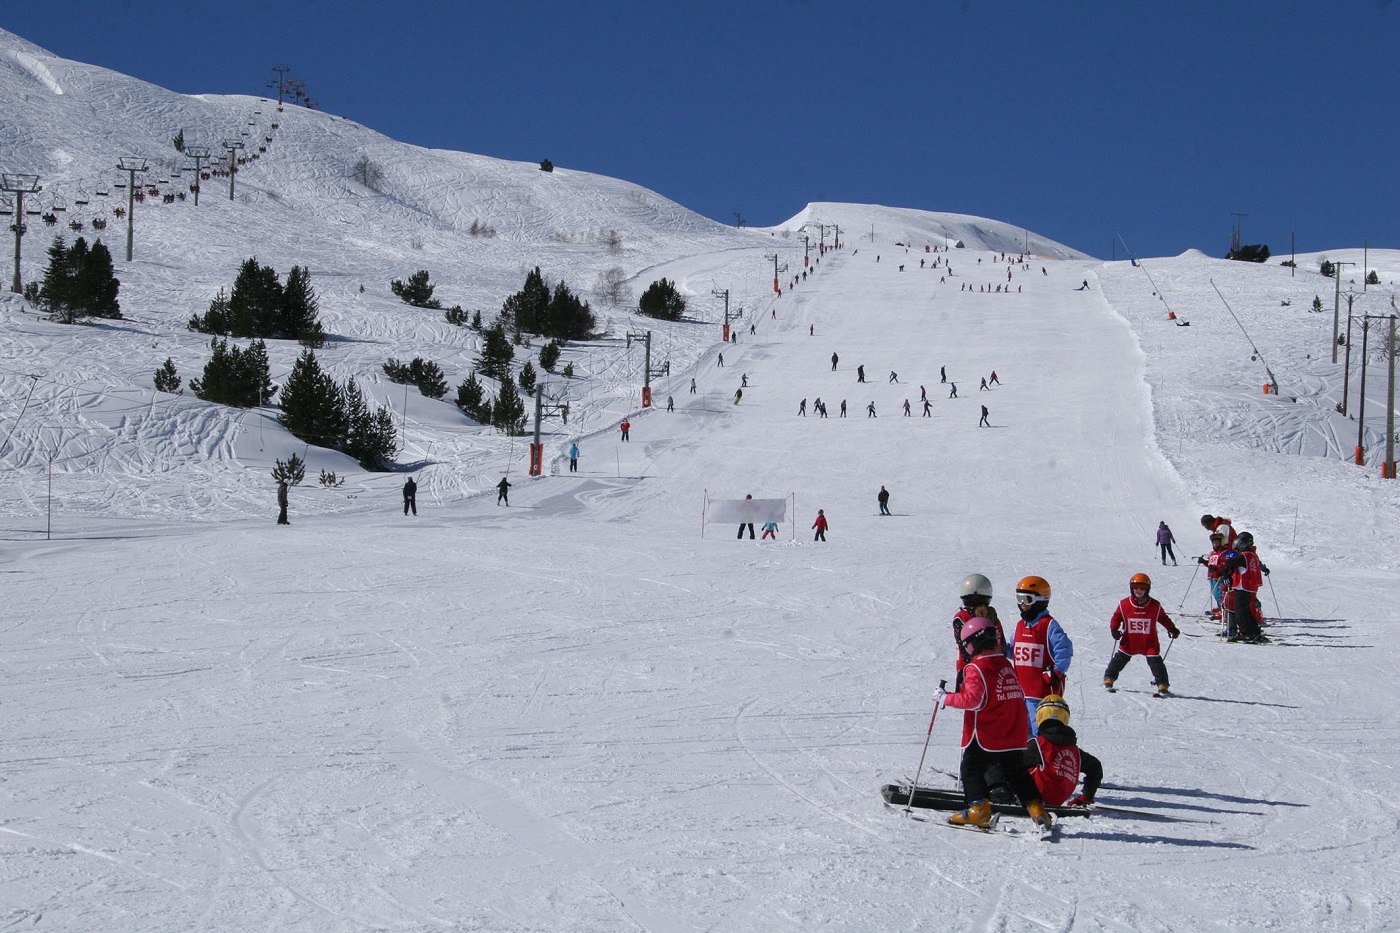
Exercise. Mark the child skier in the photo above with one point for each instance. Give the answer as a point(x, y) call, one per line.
point(1056, 760)
point(1134, 627)
point(1040, 650)
point(1246, 573)
point(976, 594)
point(995, 728)
point(1215, 572)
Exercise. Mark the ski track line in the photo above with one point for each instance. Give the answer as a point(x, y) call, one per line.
point(823, 808)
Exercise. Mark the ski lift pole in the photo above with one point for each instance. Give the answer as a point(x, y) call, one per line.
point(909, 807)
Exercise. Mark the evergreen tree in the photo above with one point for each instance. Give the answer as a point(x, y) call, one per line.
point(167, 380)
point(100, 285)
point(469, 398)
point(79, 282)
point(428, 376)
point(496, 353)
point(508, 413)
point(235, 377)
point(300, 309)
point(568, 317)
point(313, 406)
point(527, 378)
point(549, 356)
point(416, 291)
point(370, 436)
point(525, 311)
point(661, 300)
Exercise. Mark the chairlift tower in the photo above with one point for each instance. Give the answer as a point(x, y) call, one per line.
point(541, 409)
point(1337, 305)
point(777, 270)
point(647, 369)
point(19, 185)
point(232, 145)
point(281, 85)
point(199, 154)
point(131, 165)
point(738, 312)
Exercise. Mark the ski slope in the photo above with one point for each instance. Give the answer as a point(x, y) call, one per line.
point(592, 711)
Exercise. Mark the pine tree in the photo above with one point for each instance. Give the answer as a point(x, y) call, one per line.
point(370, 436)
point(167, 380)
point(300, 309)
point(313, 406)
point(525, 311)
point(428, 376)
point(59, 288)
point(527, 378)
point(661, 300)
point(99, 283)
point(417, 291)
point(469, 397)
point(568, 317)
point(549, 356)
point(508, 414)
point(496, 353)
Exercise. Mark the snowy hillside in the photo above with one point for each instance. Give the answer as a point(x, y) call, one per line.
point(593, 709)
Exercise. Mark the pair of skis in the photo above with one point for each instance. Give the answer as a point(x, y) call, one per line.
point(934, 798)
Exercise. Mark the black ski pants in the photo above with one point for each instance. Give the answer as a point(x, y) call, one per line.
point(978, 765)
point(1121, 658)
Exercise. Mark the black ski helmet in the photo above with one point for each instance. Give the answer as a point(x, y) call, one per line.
point(1244, 542)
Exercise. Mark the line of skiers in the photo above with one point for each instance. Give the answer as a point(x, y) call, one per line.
point(1235, 574)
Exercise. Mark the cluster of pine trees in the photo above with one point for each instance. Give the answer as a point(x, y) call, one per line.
point(233, 376)
point(260, 305)
point(79, 282)
point(319, 411)
point(559, 314)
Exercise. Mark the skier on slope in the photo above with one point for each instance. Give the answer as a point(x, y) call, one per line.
point(976, 594)
point(1134, 628)
point(1215, 571)
point(995, 728)
point(1165, 540)
point(1056, 761)
point(1221, 524)
point(1246, 572)
point(1040, 650)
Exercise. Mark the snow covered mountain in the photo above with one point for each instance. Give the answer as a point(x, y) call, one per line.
point(594, 709)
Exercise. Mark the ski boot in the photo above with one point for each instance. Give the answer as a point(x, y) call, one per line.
point(1039, 815)
point(1162, 691)
point(1108, 685)
point(979, 815)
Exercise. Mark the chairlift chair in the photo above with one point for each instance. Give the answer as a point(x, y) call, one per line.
point(58, 204)
point(7, 207)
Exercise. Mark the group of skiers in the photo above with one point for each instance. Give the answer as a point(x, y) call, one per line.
point(1017, 742)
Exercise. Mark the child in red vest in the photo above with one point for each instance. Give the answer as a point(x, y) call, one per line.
point(1134, 627)
point(995, 728)
point(1056, 760)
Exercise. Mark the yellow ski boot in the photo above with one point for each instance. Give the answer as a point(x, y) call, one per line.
point(979, 815)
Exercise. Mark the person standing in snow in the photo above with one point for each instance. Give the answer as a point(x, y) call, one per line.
point(1040, 651)
point(834, 358)
point(894, 376)
point(282, 503)
point(820, 525)
point(503, 491)
point(1215, 571)
point(996, 729)
point(928, 409)
point(976, 595)
point(994, 380)
point(906, 408)
point(860, 373)
point(884, 499)
point(983, 387)
point(1134, 629)
point(984, 423)
point(410, 496)
point(1246, 572)
point(692, 385)
point(870, 409)
point(573, 458)
point(953, 393)
point(770, 530)
point(802, 408)
point(942, 374)
point(1220, 523)
point(843, 408)
point(670, 403)
point(625, 426)
point(738, 395)
point(1165, 540)
point(721, 359)
point(748, 525)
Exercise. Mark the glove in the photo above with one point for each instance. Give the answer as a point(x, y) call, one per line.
point(1117, 634)
point(1173, 632)
point(1054, 681)
point(940, 695)
point(1202, 561)
point(1079, 800)
point(1266, 570)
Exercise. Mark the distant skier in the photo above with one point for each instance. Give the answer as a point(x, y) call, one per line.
point(503, 491)
point(860, 373)
point(410, 496)
point(821, 526)
point(894, 376)
point(802, 408)
point(744, 381)
point(625, 426)
point(994, 380)
point(834, 358)
point(721, 359)
point(1165, 540)
point(748, 525)
point(670, 403)
point(884, 499)
point(843, 408)
point(983, 387)
point(870, 410)
point(738, 395)
point(770, 530)
point(573, 458)
point(906, 408)
point(942, 374)
point(928, 409)
point(1134, 629)
point(282, 503)
point(692, 385)
point(954, 390)
point(984, 423)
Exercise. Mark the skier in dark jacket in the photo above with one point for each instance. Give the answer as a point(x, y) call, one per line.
point(884, 499)
point(503, 491)
point(410, 496)
point(282, 503)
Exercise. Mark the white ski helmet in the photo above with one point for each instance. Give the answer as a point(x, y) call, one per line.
point(974, 584)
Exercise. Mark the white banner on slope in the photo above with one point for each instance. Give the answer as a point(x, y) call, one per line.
point(730, 511)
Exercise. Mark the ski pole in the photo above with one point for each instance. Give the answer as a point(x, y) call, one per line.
point(1170, 642)
point(1278, 613)
point(1189, 585)
point(909, 807)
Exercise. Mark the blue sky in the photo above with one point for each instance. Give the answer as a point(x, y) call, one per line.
point(1078, 120)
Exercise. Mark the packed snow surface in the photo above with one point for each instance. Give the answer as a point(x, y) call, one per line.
point(591, 709)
